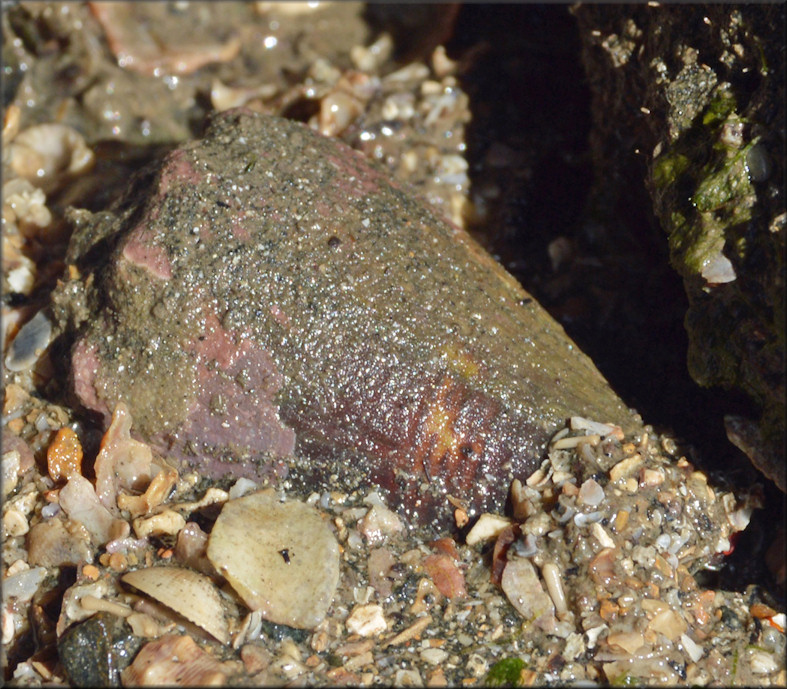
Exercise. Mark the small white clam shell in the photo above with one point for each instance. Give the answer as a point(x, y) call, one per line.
point(186, 592)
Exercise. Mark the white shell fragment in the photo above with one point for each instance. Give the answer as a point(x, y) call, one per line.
point(378, 523)
point(79, 501)
point(46, 154)
point(367, 620)
point(487, 528)
point(554, 583)
point(281, 558)
point(23, 585)
point(693, 650)
point(763, 662)
point(24, 205)
point(601, 535)
point(30, 342)
point(186, 592)
point(590, 493)
point(167, 522)
point(579, 423)
point(718, 270)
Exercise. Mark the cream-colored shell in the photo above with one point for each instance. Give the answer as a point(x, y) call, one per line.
point(186, 592)
point(281, 558)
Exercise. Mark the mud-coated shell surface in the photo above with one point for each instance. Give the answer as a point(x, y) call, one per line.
point(267, 291)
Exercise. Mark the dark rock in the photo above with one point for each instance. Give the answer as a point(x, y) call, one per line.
point(224, 312)
point(691, 98)
point(95, 652)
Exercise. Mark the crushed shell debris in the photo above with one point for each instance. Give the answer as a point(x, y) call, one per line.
point(591, 571)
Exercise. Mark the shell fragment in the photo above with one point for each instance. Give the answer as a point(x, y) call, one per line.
point(186, 592)
point(281, 558)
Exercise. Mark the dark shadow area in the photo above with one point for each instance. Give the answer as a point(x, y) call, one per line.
point(589, 250)
point(607, 280)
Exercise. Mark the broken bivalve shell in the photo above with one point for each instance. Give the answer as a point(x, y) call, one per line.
point(281, 558)
point(188, 593)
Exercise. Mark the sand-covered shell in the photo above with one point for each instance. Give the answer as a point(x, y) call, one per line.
point(280, 557)
point(272, 293)
point(186, 592)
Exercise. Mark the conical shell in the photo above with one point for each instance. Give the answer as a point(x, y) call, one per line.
point(319, 310)
point(186, 592)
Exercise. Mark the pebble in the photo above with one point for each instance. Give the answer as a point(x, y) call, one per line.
point(625, 467)
point(628, 641)
point(23, 585)
point(446, 576)
point(64, 455)
point(434, 656)
point(523, 588)
point(14, 523)
point(477, 665)
point(96, 651)
point(10, 471)
point(408, 678)
point(52, 544)
point(29, 343)
point(758, 163)
point(389, 572)
point(175, 660)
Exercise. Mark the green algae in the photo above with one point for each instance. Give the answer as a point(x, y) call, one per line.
point(506, 673)
point(703, 181)
point(719, 242)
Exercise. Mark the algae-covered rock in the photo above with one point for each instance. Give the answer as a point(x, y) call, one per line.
point(266, 291)
point(698, 93)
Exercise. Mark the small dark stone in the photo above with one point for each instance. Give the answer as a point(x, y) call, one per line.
point(279, 632)
point(729, 618)
point(95, 652)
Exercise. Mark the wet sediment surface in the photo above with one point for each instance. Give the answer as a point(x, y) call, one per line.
point(614, 562)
